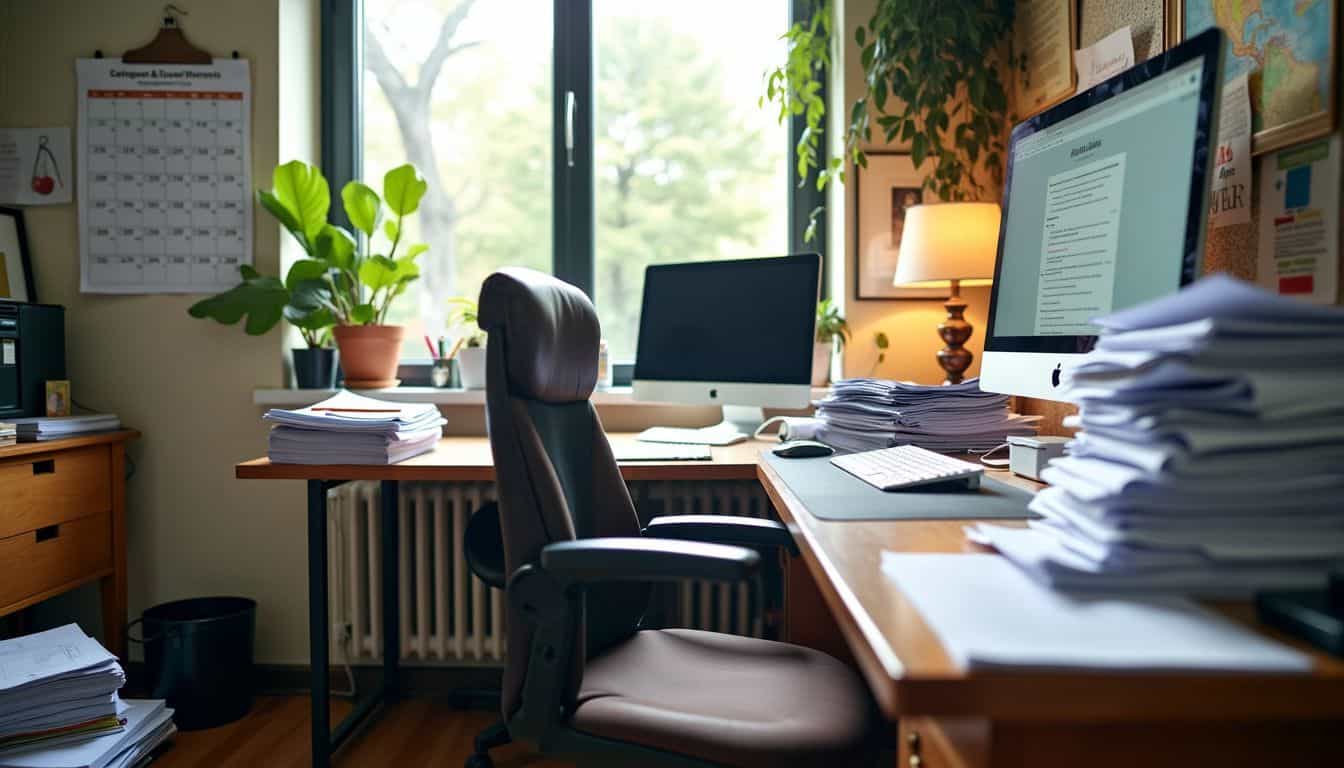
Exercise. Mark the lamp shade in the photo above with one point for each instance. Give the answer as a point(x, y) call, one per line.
point(948, 241)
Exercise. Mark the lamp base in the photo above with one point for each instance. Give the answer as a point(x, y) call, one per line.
point(955, 331)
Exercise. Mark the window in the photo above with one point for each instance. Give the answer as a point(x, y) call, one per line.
point(672, 159)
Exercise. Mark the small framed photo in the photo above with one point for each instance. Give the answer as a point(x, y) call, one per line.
point(882, 193)
point(58, 397)
point(16, 273)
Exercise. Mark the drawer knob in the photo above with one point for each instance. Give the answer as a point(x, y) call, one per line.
point(913, 740)
point(47, 533)
point(44, 467)
point(916, 761)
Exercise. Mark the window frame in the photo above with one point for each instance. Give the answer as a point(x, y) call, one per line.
point(574, 224)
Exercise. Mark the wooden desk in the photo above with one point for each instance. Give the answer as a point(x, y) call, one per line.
point(63, 524)
point(1038, 718)
point(456, 459)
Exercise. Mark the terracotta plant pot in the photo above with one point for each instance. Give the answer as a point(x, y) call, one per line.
point(369, 354)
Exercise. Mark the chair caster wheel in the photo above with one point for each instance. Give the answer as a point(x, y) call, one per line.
point(479, 761)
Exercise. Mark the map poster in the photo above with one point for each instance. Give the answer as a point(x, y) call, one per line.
point(1288, 49)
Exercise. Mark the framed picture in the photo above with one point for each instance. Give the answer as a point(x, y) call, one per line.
point(16, 274)
point(1291, 51)
point(882, 193)
point(1046, 33)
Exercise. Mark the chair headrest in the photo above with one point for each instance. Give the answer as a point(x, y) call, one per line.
point(550, 331)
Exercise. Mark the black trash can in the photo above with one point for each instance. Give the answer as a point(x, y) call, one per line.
point(198, 656)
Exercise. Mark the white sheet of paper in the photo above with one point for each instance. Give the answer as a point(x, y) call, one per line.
point(35, 166)
point(143, 717)
point(988, 613)
point(1230, 189)
point(165, 189)
point(1299, 220)
point(1108, 57)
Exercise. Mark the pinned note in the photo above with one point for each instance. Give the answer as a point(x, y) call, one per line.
point(1108, 57)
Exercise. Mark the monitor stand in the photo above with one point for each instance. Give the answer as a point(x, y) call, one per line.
point(739, 424)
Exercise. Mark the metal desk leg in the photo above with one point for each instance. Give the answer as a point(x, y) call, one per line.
point(390, 498)
point(317, 621)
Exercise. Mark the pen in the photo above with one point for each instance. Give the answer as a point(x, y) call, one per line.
point(430, 344)
point(359, 410)
point(443, 347)
point(456, 346)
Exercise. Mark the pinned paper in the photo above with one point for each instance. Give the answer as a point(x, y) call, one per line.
point(35, 166)
point(1299, 220)
point(1108, 57)
point(1230, 189)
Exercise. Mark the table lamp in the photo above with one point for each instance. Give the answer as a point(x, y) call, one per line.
point(949, 244)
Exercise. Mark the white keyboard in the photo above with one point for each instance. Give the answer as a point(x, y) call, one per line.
point(908, 466)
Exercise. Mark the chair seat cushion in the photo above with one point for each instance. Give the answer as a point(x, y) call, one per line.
point(726, 699)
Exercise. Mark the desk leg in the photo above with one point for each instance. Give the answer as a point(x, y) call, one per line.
point(389, 493)
point(317, 621)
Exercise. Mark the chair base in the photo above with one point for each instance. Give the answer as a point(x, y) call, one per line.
point(495, 735)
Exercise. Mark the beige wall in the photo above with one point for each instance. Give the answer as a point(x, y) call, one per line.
point(186, 384)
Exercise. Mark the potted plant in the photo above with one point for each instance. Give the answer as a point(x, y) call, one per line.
point(471, 357)
point(349, 282)
point(832, 333)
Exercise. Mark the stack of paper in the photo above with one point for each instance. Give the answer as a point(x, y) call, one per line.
point(1212, 454)
point(352, 429)
point(57, 686)
point(9, 434)
point(148, 724)
point(867, 414)
point(40, 428)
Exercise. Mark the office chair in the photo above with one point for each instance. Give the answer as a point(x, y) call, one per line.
point(583, 681)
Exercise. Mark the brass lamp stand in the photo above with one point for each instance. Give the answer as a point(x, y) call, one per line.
point(955, 358)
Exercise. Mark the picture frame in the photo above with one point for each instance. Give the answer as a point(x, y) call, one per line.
point(1051, 27)
point(1299, 129)
point(882, 192)
point(16, 270)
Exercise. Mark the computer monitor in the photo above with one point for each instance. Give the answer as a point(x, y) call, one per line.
point(1103, 208)
point(730, 333)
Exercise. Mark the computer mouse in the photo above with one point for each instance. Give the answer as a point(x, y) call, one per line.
point(802, 449)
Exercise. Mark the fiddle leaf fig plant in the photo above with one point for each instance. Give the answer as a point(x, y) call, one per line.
point(930, 77)
point(340, 282)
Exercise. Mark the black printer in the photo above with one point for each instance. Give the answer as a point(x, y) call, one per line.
point(32, 351)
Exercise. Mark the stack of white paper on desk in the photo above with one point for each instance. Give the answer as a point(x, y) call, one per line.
point(867, 414)
point(57, 687)
point(1211, 459)
point(9, 434)
point(148, 724)
point(352, 429)
point(42, 428)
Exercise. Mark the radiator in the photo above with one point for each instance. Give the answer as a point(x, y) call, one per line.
point(450, 616)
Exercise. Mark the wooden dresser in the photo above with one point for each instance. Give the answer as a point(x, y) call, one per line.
point(63, 524)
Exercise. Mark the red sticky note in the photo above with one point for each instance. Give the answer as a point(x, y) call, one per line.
point(1296, 284)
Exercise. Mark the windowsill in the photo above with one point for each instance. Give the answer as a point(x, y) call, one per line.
point(616, 396)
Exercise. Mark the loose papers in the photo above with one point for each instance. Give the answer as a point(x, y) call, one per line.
point(352, 429)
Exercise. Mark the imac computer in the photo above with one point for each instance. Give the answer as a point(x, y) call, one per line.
point(1103, 208)
point(732, 333)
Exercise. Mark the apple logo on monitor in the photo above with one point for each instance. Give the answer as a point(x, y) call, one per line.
point(1054, 375)
point(713, 393)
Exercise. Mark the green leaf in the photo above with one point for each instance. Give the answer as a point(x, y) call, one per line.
point(304, 269)
point(881, 340)
point(262, 300)
point(362, 206)
point(403, 187)
point(414, 252)
point(248, 271)
point(302, 190)
point(336, 247)
point(310, 321)
point(391, 229)
point(362, 314)
point(378, 272)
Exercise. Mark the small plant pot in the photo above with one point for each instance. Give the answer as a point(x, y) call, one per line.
point(821, 363)
point(369, 354)
point(314, 368)
point(471, 366)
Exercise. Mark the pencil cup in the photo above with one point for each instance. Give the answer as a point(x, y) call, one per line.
point(444, 374)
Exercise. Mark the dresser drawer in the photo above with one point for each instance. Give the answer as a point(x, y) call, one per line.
point(54, 556)
point(48, 488)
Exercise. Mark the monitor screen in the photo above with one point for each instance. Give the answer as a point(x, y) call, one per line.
point(749, 321)
point(1104, 204)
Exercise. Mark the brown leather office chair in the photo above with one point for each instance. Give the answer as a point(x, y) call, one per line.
point(583, 681)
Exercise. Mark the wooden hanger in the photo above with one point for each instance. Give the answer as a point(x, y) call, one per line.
point(170, 46)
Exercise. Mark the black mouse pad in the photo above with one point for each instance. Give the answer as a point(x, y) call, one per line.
point(830, 493)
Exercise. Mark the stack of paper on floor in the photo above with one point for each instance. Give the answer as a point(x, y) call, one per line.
point(352, 429)
point(148, 724)
point(866, 414)
point(40, 428)
point(1211, 459)
point(57, 686)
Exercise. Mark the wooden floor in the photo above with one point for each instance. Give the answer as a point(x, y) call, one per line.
point(416, 732)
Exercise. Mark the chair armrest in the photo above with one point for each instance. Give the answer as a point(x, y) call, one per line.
point(634, 559)
point(723, 529)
